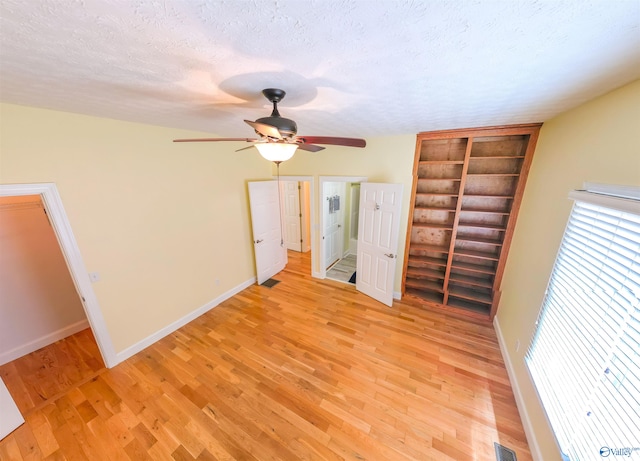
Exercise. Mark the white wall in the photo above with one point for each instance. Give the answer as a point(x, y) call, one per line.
point(39, 303)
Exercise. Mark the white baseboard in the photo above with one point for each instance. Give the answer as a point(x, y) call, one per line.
point(522, 409)
point(43, 341)
point(158, 335)
point(397, 295)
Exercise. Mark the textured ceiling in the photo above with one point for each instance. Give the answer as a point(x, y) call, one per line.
point(351, 68)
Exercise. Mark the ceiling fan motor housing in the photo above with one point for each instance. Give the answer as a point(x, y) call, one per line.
point(285, 126)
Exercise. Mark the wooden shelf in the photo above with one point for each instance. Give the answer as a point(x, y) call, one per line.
point(488, 196)
point(425, 261)
point(470, 280)
point(472, 267)
point(430, 296)
point(470, 294)
point(476, 254)
point(423, 285)
point(493, 174)
point(430, 248)
point(420, 273)
point(481, 226)
point(437, 194)
point(441, 150)
point(478, 240)
point(467, 189)
point(433, 225)
point(441, 162)
point(484, 210)
point(465, 305)
point(434, 208)
point(489, 157)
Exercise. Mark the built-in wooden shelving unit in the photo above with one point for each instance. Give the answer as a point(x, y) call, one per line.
point(467, 189)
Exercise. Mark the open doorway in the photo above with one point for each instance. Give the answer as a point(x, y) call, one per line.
point(297, 207)
point(317, 239)
point(339, 213)
point(40, 303)
point(46, 343)
point(57, 217)
point(342, 263)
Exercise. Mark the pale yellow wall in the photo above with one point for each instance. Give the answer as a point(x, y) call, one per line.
point(159, 221)
point(385, 159)
point(596, 142)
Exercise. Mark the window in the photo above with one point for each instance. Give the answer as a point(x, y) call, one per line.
point(584, 358)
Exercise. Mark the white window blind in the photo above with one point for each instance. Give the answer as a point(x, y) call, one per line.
point(584, 358)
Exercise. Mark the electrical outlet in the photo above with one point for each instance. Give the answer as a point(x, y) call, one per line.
point(94, 276)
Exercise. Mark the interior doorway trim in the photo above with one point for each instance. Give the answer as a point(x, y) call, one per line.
point(71, 252)
point(322, 270)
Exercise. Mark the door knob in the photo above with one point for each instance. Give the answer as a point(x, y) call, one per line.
point(389, 255)
point(259, 240)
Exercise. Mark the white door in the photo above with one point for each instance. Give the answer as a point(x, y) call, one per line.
point(292, 214)
point(378, 227)
point(268, 245)
point(11, 416)
point(333, 220)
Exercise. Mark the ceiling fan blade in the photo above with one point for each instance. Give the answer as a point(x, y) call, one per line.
point(214, 139)
point(245, 148)
point(264, 129)
point(349, 142)
point(310, 147)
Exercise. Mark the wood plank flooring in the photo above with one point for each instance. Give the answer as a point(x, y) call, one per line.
point(51, 371)
point(306, 370)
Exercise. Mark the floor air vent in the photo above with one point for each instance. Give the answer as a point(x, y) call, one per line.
point(503, 453)
point(270, 283)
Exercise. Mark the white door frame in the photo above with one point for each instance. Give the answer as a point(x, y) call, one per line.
point(322, 272)
point(71, 252)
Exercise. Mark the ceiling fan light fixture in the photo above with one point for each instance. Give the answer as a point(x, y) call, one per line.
point(276, 151)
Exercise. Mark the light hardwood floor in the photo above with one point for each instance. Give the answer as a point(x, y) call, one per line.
point(305, 370)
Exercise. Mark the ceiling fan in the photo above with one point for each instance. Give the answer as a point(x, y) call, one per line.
point(278, 139)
